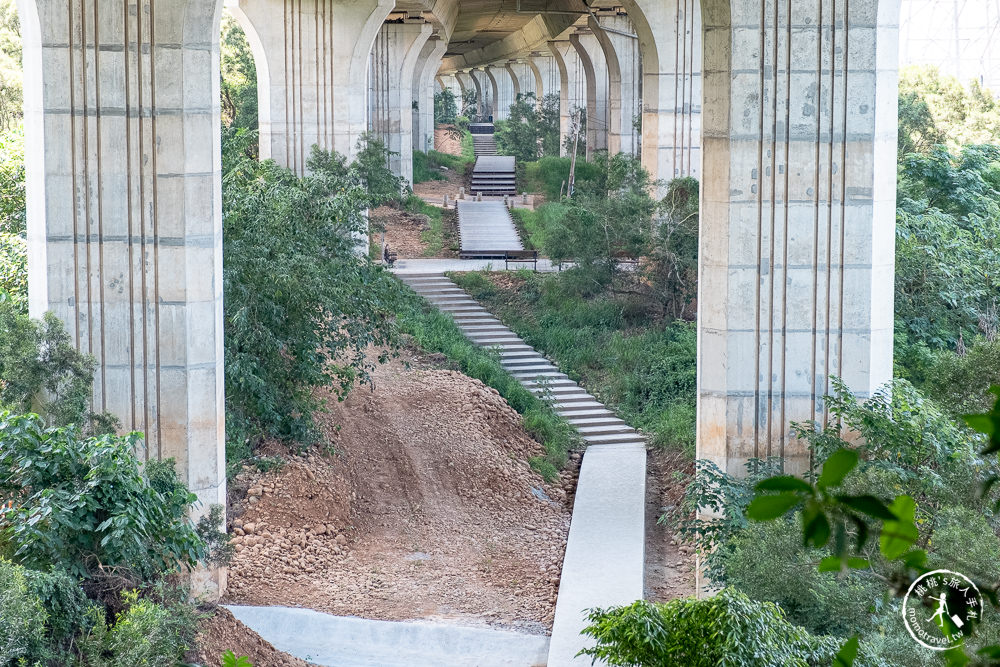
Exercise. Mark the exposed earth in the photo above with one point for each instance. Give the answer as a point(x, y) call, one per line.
point(424, 507)
point(221, 632)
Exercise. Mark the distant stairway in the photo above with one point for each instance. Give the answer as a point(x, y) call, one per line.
point(485, 144)
point(494, 175)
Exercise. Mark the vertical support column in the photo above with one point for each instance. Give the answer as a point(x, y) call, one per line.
point(670, 36)
point(798, 215)
point(477, 86)
point(125, 215)
point(515, 80)
point(620, 47)
point(394, 59)
point(312, 58)
point(423, 92)
point(596, 70)
point(565, 123)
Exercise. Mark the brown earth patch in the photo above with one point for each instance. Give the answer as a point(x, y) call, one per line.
point(424, 507)
point(221, 632)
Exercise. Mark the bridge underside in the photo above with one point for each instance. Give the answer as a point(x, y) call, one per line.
point(785, 111)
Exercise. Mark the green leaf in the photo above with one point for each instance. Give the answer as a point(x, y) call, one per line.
point(847, 653)
point(836, 468)
point(868, 504)
point(830, 564)
point(766, 508)
point(896, 538)
point(858, 563)
point(784, 483)
point(817, 531)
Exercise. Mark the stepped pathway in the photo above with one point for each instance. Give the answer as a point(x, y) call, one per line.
point(485, 144)
point(605, 551)
point(494, 175)
point(485, 229)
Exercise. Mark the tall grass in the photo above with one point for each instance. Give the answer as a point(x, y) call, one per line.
point(435, 331)
point(533, 225)
point(642, 367)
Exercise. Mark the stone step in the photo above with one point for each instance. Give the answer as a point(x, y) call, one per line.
point(526, 362)
point(616, 439)
point(595, 421)
point(590, 413)
point(537, 369)
point(576, 407)
point(607, 429)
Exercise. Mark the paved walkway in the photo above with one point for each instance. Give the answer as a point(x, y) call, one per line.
point(338, 641)
point(486, 229)
point(605, 550)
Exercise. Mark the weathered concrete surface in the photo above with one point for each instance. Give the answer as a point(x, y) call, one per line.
point(798, 213)
point(338, 641)
point(124, 215)
point(394, 59)
point(423, 90)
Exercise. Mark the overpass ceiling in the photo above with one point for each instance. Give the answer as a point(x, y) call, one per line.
point(481, 23)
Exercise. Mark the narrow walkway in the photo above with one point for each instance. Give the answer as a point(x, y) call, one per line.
point(486, 229)
point(339, 641)
point(605, 551)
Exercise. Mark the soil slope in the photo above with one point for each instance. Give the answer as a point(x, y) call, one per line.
point(423, 507)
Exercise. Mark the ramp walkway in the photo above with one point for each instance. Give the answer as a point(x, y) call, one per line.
point(605, 551)
point(486, 229)
point(339, 641)
point(494, 175)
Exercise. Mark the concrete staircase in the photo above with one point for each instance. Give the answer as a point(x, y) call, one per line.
point(494, 175)
point(604, 563)
point(485, 144)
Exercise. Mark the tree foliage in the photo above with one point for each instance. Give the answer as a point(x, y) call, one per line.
point(445, 107)
point(239, 77)
point(11, 76)
point(301, 305)
point(936, 108)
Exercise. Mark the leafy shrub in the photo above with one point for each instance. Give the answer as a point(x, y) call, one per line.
point(145, 634)
point(301, 307)
point(238, 72)
point(725, 630)
point(41, 371)
point(445, 106)
point(22, 617)
point(961, 383)
point(12, 189)
point(91, 509)
point(229, 659)
point(66, 606)
point(14, 270)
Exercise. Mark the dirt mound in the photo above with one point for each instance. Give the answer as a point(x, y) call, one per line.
point(222, 632)
point(425, 507)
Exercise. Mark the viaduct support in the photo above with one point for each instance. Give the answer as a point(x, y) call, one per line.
point(393, 63)
point(798, 211)
point(125, 215)
point(423, 90)
point(312, 68)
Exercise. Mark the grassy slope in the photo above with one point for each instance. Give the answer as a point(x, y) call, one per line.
point(641, 367)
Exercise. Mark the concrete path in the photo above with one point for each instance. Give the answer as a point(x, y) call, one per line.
point(486, 229)
point(605, 551)
point(404, 267)
point(338, 641)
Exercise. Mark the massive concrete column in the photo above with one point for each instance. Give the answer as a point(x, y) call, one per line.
point(472, 83)
point(537, 77)
point(393, 61)
point(312, 69)
point(596, 70)
point(798, 212)
point(125, 213)
point(423, 92)
point(565, 122)
point(487, 87)
point(515, 80)
point(670, 35)
point(620, 46)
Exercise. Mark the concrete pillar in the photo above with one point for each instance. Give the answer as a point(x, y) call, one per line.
point(471, 78)
point(393, 62)
point(617, 37)
point(487, 87)
point(423, 92)
point(515, 80)
point(596, 70)
point(536, 73)
point(572, 88)
point(125, 215)
point(312, 69)
point(670, 36)
point(798, 213)
point(497, 77)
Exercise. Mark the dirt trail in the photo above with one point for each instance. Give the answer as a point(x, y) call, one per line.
point(669, 565)
point(426, 508)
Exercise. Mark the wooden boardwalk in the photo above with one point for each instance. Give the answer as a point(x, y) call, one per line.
point(486, 229)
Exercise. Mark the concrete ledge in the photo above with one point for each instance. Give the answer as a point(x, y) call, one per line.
point(339, 641)
point(605, 552)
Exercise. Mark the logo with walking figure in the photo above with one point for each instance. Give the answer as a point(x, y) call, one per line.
point(940, 609)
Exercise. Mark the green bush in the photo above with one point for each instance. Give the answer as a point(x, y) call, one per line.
point(14, 270)
point(12, 189)
point(66, 606)
point(41, 371)
point(725, 630)
point(961, 383)
point(145, 634)
point(423, 169)
point(301, 307)
point(22, 618)
point(550, 174)
point(86, 506)
point(445, 106)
